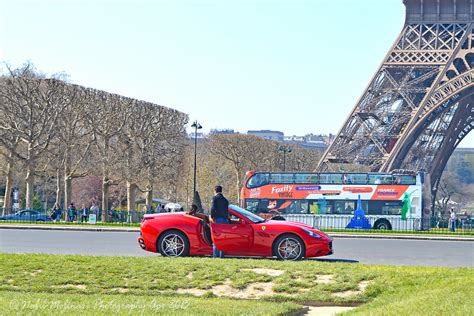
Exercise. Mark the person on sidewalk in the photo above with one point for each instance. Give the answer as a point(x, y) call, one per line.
point(219, 214)
point(84, 213)
point(57, 212)
point(452, 220)
point(71, 213)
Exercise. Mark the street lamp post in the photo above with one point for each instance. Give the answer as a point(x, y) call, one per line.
point(284, 149)
point(196, 126)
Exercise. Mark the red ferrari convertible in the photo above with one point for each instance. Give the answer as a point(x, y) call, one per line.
point(180, 234)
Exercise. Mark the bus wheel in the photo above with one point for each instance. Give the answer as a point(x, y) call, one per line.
point(278, 218)
point(382, 224)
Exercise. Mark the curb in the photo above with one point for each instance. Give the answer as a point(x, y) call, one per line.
point(73, 228)
point(336, 235)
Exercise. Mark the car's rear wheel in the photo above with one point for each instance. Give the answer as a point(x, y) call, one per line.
point(173, 243)
point(289, 247)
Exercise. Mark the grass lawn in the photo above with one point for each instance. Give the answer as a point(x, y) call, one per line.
point(49, 284)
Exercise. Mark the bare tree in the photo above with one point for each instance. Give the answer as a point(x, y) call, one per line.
point(164, 149)
point(9, 144)
point(74, 136)
point(30, 107)
point(245, 152)
point(107, 118)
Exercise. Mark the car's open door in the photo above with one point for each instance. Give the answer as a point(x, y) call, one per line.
point(235, 238)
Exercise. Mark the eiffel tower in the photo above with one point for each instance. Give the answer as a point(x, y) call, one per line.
point(419, 105)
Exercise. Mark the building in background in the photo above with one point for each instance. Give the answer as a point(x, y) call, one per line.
point(226, 131)
point(267, 134)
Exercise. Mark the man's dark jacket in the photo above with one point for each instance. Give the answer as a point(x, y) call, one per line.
point(219, 208)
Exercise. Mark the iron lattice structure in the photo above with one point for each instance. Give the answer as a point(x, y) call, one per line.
point(419, 105)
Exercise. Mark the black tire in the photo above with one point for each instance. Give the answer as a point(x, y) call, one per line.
point(173, 243)
point(40, 220)
point(278, 218)
point(382, 224)
point(297, 248)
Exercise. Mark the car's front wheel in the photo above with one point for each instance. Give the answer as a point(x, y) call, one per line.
point(289, 247)
point(173, 243)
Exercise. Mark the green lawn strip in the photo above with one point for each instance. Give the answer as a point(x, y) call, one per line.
point(162, 277)
point(445, 293)
point(154, 275)
point(13, 303)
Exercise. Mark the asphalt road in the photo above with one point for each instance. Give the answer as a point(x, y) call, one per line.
point(367, 251)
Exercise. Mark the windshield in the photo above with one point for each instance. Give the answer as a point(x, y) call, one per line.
point(252, 217)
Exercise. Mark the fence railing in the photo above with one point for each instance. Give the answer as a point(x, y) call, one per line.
point(64, 217)
point(438, 225)
point(370, 223)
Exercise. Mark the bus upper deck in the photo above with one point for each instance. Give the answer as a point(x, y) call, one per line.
point(257, 179)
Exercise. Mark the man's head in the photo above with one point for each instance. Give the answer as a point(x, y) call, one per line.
point(193, 209)
point(218, 189)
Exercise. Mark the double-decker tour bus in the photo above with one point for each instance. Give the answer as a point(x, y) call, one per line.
point(337, 200)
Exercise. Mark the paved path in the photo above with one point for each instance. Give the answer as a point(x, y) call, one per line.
point(368, 251)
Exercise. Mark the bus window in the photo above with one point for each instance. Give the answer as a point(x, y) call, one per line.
point(405, 179)
point(296, 207)
point(251, 205)
point(323, 206)
point(381, 179)
point(344, 207)
point(306, 178)
point(258, 180)
point(281, 206)
point(282, 178)
point(357, 178)
point(385, 208)
point(331, 178)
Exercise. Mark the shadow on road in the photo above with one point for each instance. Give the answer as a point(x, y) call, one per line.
point(333, 260)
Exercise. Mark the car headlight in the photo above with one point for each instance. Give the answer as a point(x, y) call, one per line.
point(312, 234)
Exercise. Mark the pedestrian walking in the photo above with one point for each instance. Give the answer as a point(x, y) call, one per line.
point(71, 213)
point(84, 213)
point(57, 212)
point(94, 210)
point(219, 214)
point(452, 220)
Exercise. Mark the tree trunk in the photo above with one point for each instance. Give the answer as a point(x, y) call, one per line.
point(58, 188)
point(67, 192)
point(30, 182)
point(105, 198)
point(131, 195)
point(239, 184)
point(45, 195)
point(8, 189)
point(67, 180)
point(149, 196)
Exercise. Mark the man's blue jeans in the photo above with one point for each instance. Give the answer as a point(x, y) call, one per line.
point(221, 220)
point(215, 252)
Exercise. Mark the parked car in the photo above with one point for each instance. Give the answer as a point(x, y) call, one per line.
point(27, 216)
point(180, 234)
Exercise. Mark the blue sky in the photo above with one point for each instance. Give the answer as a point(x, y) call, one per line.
point(294, 66)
